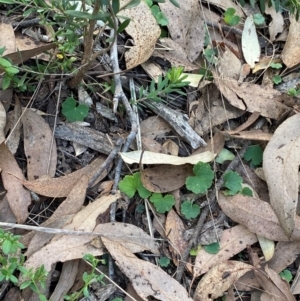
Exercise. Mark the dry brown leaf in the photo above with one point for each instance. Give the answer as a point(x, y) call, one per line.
point(276, 25)
point(39, 146)
point(6, 98)
point(144, 36)
point(7, 35)
point(286, 252)
point(175, 54)
point(130, 291)
point(151, 145)
point(154, 70)
point(146, 157)
point(2, 121)
point(6, 214)
point(165, 178)
point(291, 51)
point(253, 117)
point(219, 278)
point(229, 64)
point(170, 147)
point(14, 126)
point(186, 26)
point(61, 216)
point(66, 280)
point(276, 288)
point(154, 126)
point(232, 241)
point(256, 215)
point(147, 279)
point(281, 160)
point(175, 229)
point(261, 99)
point(18, 198)
point(214, 145)
point(62, 186)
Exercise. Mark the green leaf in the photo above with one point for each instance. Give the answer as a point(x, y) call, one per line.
point(7, 1)
point(230, 17)
point(247, 191)
point(202, 180)
point(123, 25)
point(164, 261)
point(277, 79)
point(116, 6)
point(276, 65)
point(254, 153)
point(161, 203)
point(213, 248)
point(132, 184)
point(4, 63)
point(162, 19)
point(13, 279)
point(233, 182)
point(190, 210)
point(195, 251)
point(132, 3)
point(258, 19)
point(6, 246)
point(12, 70)
point(286, 275)
point(175, 3)
point(225, 155)
point(25, 284)
point(73, 112)
point(149, 2)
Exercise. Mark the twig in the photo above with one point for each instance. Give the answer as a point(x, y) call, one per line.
point(225, 27)
point(107, 162)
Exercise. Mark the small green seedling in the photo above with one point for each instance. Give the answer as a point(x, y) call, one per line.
point(224, 155)
point(246, 191)
point(213, 248)
point(233, 182)
point(276, 65)
point(286, 275)
point(162, 203)
point(254, 154)
point(190, 210)
point(9, 70)
point(277, 79)
point(258, 19)
point(73, 112)
point(230, 17)
point(132, 184)
point(195, 251)
point(160, 17)
point(294, 92)
point(164, 262)
point(202, 180)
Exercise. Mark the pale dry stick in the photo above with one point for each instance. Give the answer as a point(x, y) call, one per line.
point(68, 232)
point(212, 196)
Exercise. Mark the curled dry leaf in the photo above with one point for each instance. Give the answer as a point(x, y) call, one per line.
point(147, 279)
point(281, 160)
point(232, 241)
point(157, 158)
point(18, 198)
point(39, 146)
point(145, 31)
point(165, 178)
point(276, 26)
point(219, 278)
point(256, 215)
point(62, 186)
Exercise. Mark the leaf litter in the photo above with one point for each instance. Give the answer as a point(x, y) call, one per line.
point(233, 103)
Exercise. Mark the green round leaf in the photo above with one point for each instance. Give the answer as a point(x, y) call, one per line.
point(254, 153)
point(190, 210)
point(233, 181)
point(286, 275)
point(161, 203)
point(164, 261)
point(225, 155)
